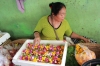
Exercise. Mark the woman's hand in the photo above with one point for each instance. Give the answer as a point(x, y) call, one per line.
point(85, 40)
point(37, 38)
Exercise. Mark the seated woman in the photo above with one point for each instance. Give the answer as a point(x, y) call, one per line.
point(55, 26)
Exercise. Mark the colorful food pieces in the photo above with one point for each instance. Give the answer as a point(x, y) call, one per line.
point(78, 49)
point(43, 53)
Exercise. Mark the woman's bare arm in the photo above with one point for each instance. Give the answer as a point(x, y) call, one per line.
point(36, 38)
point(74, 35)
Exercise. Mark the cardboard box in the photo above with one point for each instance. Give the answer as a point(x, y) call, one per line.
point(17, 61)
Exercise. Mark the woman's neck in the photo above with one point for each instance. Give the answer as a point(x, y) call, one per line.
point(53, 19)
point(54, 22)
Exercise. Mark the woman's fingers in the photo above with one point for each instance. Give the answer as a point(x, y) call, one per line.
point(87, 40)
point(36, 41)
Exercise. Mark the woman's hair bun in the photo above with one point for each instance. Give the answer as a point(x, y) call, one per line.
point(51, 5)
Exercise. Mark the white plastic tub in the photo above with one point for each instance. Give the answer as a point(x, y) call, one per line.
point(17, 61)
point(3, 37)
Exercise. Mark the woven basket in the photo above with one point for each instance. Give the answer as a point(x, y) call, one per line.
point(19, 41)
point(93, 47)
point(6, 42)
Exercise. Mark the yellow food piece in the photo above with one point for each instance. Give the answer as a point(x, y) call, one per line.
point(43, 58)
point(50, 60)
point(58, 59)
point(78, 49)
point(34, 60)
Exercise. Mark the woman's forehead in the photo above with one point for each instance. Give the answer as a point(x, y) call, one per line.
point(63, 10)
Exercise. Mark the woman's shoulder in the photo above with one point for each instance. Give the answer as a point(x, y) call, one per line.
point(43, 20)
point(65, 21)
point(44, 17)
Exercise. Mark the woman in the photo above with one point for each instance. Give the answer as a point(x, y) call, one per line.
point(54, 26)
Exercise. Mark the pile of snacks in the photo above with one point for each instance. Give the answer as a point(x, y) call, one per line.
point(45, 53)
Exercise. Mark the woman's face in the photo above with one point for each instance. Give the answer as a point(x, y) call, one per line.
point(61, 15)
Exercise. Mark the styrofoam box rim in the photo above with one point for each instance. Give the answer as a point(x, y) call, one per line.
point(17, 61)
point(4, 37)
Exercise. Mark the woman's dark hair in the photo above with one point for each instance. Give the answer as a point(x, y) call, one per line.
point(56, 7)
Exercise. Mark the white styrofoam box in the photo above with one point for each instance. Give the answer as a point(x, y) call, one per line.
point(17, 61)
point(4, 37)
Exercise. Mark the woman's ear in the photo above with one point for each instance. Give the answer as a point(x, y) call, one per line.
point(52, 14)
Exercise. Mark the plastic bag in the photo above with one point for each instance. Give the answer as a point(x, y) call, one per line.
point(3, 60)
point(68, 39)
point(5, 52)
point(12, 48)
point(4, 57)
point(83, 54)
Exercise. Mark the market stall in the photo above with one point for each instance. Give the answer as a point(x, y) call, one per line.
point(69, 54)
